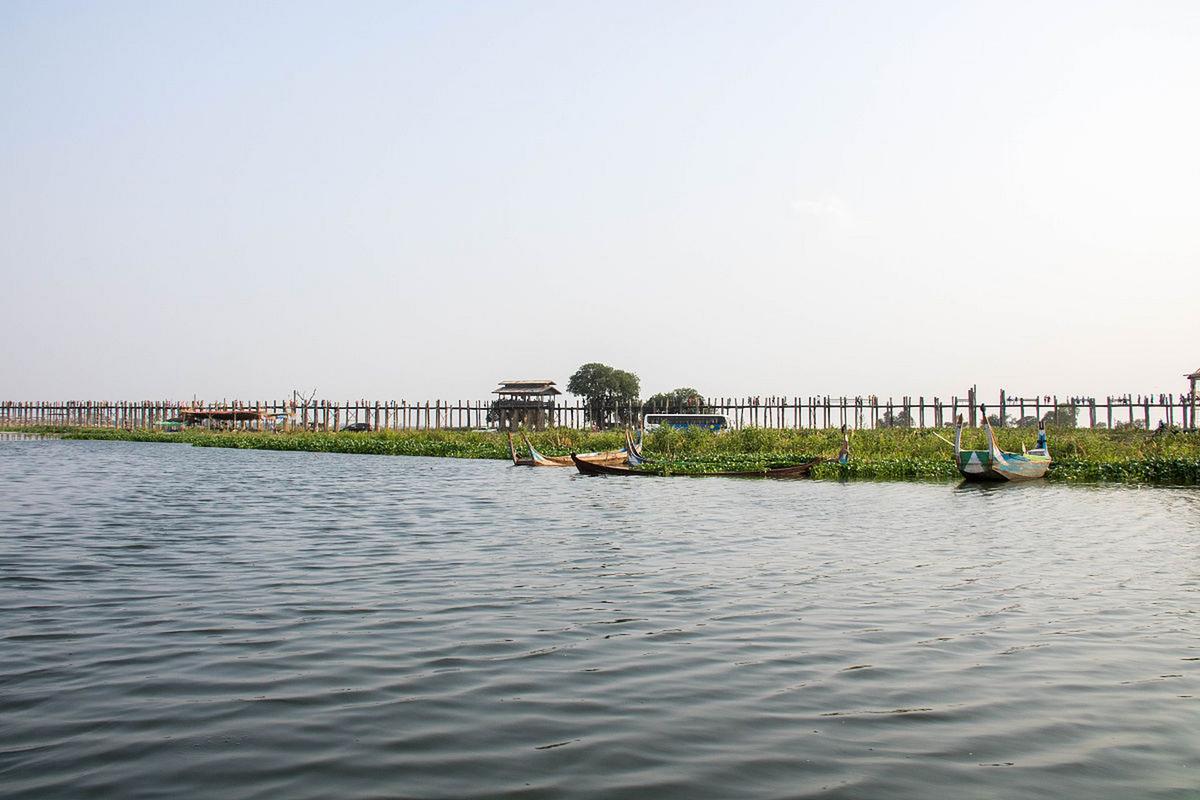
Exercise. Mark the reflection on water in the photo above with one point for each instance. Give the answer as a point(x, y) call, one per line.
point(194, 622)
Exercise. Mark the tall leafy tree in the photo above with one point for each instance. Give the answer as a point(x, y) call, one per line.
point(1062, 416)
point(684, 400)
point(897, 418)
point(608, 392)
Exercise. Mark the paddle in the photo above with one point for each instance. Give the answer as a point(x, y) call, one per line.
point(943, 438)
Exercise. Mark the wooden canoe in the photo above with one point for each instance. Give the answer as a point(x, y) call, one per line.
point(843, 456)
point(536, 459)
point(795, 471)
point(634, 450)
point(635, 458)
point(517, 461)
point(993, 464)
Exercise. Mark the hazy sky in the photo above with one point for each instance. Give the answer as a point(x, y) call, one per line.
point(415, 200)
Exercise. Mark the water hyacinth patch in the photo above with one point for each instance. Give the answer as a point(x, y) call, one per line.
point(1080, 455)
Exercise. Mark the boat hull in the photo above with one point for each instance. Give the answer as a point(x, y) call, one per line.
point(602, 457)
point(995, 465)
point(796, 471)
point(613, 457)
point(978, 465)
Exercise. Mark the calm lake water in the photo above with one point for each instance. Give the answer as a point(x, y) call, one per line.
point(186, 622)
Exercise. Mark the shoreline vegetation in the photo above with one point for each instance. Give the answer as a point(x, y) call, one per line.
point(1080, 455)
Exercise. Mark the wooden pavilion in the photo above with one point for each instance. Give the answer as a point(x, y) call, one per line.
point(524, 404)
point(222, 417)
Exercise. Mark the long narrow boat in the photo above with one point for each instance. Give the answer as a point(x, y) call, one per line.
point(993, 464)
point(536, 459)
point(634, 449)
point(635, 459)
point(794, 471)
point(517, 460)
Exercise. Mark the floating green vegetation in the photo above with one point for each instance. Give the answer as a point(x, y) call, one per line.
point(1124, 456)
point(447, 444)
point(724, 462)
point(1168, 471)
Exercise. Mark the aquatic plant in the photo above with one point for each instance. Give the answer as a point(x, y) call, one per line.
point(1128, 455)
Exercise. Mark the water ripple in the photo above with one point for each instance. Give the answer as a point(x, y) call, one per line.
point(243, 624)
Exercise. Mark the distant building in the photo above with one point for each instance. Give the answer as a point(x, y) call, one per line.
point(524, 404)
point(200, 416)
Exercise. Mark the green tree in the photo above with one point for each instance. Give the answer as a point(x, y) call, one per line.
point(899, 418)
point(608, 392)
point(1061, 416)
point(684, 400)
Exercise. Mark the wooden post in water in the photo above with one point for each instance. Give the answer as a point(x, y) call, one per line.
point(1192, 379)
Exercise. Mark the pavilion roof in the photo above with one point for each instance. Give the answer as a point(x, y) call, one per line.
point(527, 388)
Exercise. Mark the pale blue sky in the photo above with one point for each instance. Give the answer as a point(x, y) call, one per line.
point(414, 200)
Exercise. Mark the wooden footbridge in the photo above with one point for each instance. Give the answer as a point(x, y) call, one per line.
point(824, 411)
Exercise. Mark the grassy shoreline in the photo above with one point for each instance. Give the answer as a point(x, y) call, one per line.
point(1131, 457)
